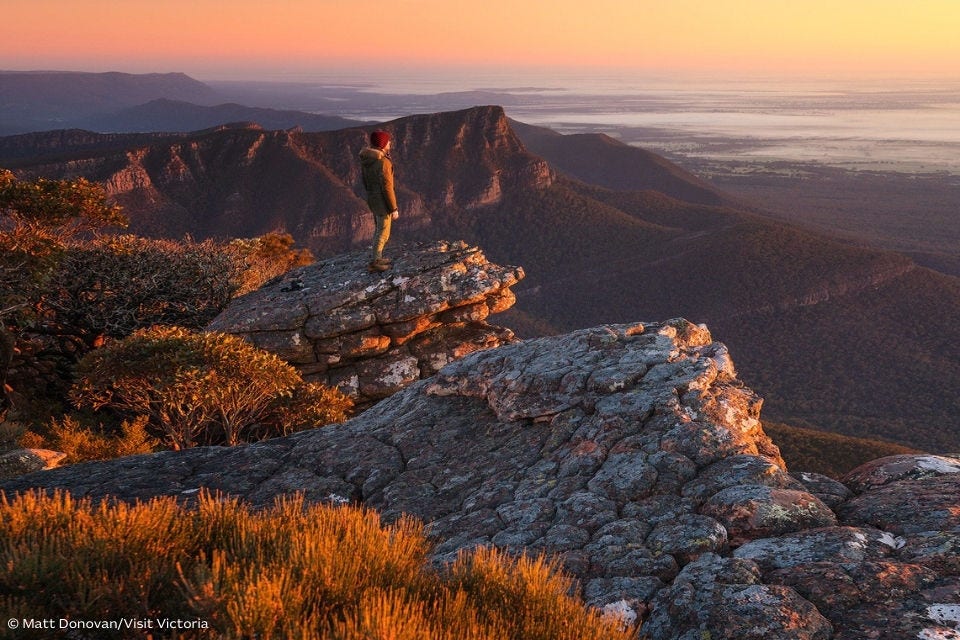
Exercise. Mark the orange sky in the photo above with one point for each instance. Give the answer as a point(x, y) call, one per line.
point(211, 38)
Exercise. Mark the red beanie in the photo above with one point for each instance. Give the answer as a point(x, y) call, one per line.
point(379, 139)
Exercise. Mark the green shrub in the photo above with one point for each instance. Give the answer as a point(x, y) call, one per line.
point(309, 404)
point(38, 219)
point(202, 388)
point(292, 571)
point(72, 206)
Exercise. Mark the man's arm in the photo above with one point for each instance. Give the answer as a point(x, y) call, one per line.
point(389, 197)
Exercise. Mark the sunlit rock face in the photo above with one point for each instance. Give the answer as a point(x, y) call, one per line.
point(634, 455)
point(372, 334)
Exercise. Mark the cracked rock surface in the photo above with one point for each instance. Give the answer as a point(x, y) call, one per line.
point(371, 334)
point(635, 455)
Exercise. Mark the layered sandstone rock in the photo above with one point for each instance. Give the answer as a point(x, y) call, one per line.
point(371, 334)
point(634, 454)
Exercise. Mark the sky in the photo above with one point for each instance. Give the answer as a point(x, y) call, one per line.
point(258, 39)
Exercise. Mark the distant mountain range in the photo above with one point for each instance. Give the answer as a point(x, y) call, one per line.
point(38, 101)
point(835, 335)
point(123, 102)
point(176, 115)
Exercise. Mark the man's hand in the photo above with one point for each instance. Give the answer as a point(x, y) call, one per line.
point(395, 214)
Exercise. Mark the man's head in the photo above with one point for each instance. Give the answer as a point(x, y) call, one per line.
point(379, 139)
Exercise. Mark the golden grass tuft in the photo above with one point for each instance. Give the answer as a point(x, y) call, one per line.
point(291, 571)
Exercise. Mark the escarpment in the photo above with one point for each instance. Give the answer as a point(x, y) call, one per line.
point(634, 454)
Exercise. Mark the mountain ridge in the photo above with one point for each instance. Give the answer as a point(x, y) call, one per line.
point(37, 101)
point(166, 115)
point(596, 158)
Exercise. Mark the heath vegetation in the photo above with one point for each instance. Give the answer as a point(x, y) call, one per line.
point(113, 320)
point(291, 571)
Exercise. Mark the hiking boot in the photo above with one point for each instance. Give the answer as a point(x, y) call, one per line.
point(378, 265)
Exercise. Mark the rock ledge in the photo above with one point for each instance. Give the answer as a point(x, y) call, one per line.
point(371, 334)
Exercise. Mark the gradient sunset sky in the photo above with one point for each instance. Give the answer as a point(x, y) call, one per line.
point(213, 39)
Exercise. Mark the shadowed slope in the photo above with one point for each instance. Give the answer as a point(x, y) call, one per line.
point(598, 159)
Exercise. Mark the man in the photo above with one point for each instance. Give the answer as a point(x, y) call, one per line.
point(377, 170)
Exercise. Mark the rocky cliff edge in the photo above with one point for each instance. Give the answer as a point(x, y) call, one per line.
point(371, 334)
point(634, 454)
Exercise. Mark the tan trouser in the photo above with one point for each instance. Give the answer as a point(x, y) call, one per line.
point(381, 234)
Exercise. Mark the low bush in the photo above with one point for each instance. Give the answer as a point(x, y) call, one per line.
point(113, 285)
point(84, 443)
point(203, 388)
point(266, 257)
point(293, 571)
point(69, 283)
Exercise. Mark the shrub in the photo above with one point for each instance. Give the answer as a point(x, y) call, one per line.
point(70, 206)
point(37, 220)
point(83, 443)
point(114, 285)
point(201, 388)
point(308, 405)
point(266, 257)
point(292, 571)
point(66, 287)
point(528, 589)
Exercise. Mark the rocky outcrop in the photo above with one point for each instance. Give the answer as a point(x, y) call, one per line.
point(371, 334)
point(20, 461)
point(891, 570)
point(635, 455)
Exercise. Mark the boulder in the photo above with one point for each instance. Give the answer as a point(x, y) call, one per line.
point(20, 461)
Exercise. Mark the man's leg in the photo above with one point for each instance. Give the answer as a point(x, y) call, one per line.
point(380, 235)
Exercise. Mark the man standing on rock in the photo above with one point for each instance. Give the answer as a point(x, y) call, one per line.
point(377, 171)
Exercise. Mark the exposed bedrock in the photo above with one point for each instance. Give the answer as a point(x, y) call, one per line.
point(635, 455)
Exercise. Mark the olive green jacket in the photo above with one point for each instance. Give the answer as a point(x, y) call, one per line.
point(378, 181)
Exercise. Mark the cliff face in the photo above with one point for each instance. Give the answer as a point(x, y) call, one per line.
point(373, 334)
point(633, 453)
point(241, 181)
